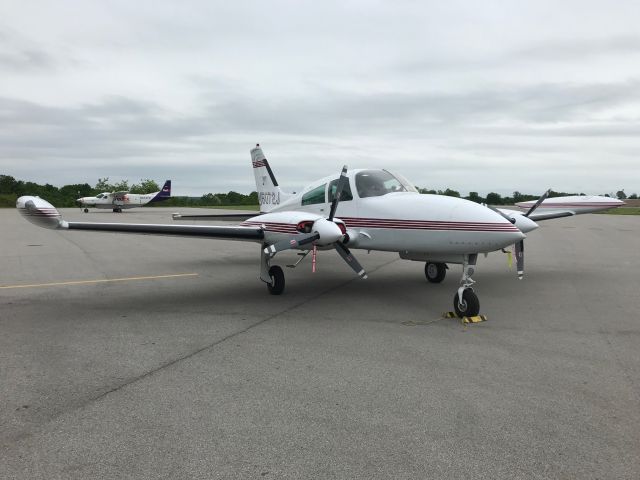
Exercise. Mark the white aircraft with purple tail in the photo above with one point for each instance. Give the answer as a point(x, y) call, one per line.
point(117, 201)
point(362, 209)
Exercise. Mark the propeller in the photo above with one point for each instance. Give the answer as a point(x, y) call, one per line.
point(325, 231)
point(345, 253)
point(519, 246)
point(343, 181)
point(537, 204)
point(504, 215)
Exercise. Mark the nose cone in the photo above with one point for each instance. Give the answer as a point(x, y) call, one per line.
point(329, 232)
point(525, 224)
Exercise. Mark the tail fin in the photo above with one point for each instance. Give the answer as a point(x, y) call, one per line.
point(164, 193)
point(270, 195)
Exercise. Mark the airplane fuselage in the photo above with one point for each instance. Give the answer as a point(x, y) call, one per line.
point(398, 220)
point(108, 201)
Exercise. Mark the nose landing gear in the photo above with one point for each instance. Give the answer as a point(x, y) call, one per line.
point(466, 303)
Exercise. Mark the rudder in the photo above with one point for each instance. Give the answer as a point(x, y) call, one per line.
point(270, 195)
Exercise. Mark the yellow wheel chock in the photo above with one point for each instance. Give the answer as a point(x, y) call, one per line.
point(474, 319)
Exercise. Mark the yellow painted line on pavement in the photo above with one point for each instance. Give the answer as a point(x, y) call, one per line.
point(104, 280)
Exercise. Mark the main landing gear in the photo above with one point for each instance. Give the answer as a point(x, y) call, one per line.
point(435, 272)
point(117, 210)
point(273, 276)
point(276, 286)
point(86, 210)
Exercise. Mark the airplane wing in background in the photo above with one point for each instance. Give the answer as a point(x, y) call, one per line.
point(559, 207)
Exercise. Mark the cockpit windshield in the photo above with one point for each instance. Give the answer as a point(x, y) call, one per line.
point(375, 183)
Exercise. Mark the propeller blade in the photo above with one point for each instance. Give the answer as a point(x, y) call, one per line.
point(350, 259)
point(537, 204)
point(291, 242)
point(511, 219)
point(342, 182)
point(520, 258)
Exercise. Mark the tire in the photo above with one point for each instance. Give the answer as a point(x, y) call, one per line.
point(470, 304)
point(86, 210)
point(435, 272)
point(276, 287)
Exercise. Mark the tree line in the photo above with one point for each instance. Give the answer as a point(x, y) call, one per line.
point(11, 189)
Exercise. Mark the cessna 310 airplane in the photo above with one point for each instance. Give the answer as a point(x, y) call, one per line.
point(120, 200)
point(378, 211)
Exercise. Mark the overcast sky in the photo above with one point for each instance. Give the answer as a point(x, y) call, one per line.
point(476, 96)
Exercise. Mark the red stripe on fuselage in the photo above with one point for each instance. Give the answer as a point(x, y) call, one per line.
point(390, 224)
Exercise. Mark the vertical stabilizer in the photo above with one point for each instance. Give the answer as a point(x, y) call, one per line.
point(163, 194)
point(270, 195)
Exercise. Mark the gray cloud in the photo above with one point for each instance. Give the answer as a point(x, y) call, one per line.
point(451, 96)
point(579, 49)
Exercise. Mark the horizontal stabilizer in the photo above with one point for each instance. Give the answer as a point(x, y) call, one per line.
point(548, 215)
point(228, 217)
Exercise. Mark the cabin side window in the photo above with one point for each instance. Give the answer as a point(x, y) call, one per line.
point(346, 191)
point(314, 196)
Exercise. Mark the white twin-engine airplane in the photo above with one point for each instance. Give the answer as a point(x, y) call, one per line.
point(117, 201)
point(377, 210)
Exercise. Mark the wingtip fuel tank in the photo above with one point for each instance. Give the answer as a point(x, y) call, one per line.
point(39, 212)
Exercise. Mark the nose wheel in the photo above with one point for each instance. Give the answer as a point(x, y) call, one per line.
point(468, 305)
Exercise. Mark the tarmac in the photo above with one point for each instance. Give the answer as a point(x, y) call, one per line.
point(128, 356)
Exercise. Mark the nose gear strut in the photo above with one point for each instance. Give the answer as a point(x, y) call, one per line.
point(466, 303)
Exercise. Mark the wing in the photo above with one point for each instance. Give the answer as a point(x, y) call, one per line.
point(42, 213)
point(557, 207)
point(119, 194)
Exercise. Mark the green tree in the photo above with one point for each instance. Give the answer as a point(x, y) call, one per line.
point(475, 197)
point(7, 184)
point(621, 195)
point(633, 196)
point(103, 185)
point(451, 193)
point(146, 186)
point(122, 186)
point(210, 199)
point(494, 199)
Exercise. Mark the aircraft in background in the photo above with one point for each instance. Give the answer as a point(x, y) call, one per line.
point(378, 210)
point(117, 201)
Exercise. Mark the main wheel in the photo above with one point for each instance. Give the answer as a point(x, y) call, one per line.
point(277, 280)
point(86, 210)
point(435, 272)
point(470, 305)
